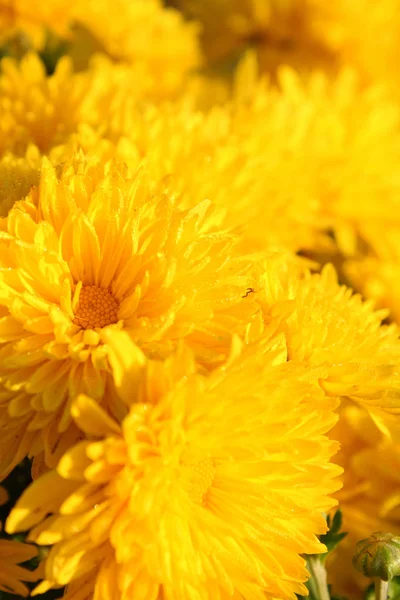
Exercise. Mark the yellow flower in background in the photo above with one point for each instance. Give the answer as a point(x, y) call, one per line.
point(301, 160)
point(282, 32)
point(145, 34)
point(362, 33)
point(369, 499)
point(305, 34)
point(37, 109)
point(210, 487)
point(331, 330)
point(99, 250)
point(203, 151)
point(336, 146)
point(23, 18)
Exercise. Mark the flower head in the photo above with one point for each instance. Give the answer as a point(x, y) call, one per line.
point(210, 487)
point(334, 331)
point(95, 251)
point(302, 160)
point(125, 28)
point(305, 34)
point(35, 108)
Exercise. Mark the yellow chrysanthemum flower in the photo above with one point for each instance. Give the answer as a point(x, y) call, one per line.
point(145, 34)
point(369, 499)
point(210, 487)
point(289, 32)
point(305, 34)
point(204, 150)
point(37, 109)
point(363, 33)
point(336, 143)
point(24, 17)
point(308, 159)
point(334, 333)
point(98, 250)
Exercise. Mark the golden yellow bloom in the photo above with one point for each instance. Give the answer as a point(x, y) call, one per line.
point(335, 143)
point(301, 160)
point(153, 39)
point(305, 34)
point(100, 250)
point(24, 17)
point(363, 33)
point(292, 32)
point(36, 109)
point(209, 488)
point(335, 333)
point(203, 151)
point(369, 499)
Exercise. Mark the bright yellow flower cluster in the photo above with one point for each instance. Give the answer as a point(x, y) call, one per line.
point(178, 361)
point(305, 34)
point(173, 49)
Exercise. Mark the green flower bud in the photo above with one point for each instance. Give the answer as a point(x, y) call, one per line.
point(378, 556)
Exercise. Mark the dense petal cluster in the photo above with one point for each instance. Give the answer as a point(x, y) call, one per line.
point(35, 109)
point(178, 361)
point(203, 491)
point(93, 251)
point(333, 332)
point(174, 48)
point(305, 34)
point(308, 158)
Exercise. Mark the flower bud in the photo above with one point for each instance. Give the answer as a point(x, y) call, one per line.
point(378, 556)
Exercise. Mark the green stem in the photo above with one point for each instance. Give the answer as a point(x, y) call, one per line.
point(381, 589)
point(318, 574)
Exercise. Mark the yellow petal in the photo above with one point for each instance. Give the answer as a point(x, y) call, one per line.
point(92, 419)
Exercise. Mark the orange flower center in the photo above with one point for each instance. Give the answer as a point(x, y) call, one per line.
point(97, 308)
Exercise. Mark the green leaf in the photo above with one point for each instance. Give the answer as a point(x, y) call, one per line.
point(334, 536)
